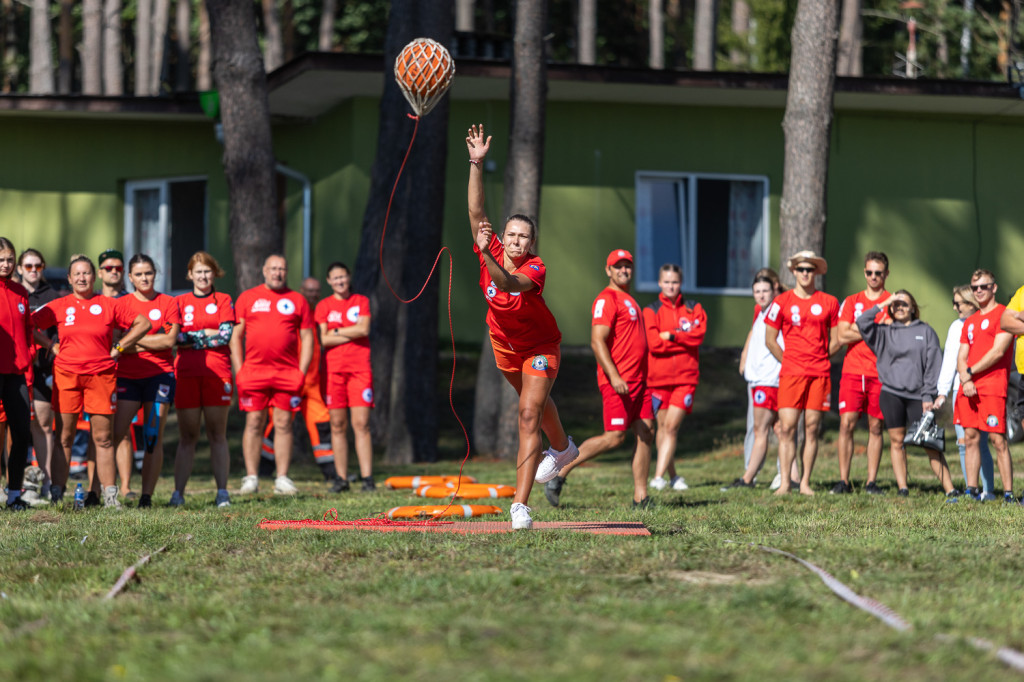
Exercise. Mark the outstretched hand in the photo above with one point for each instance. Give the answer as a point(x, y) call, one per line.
point(477, 144)
point(483, 236)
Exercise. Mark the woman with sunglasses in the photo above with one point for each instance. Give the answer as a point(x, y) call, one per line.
point(85, 369)
point(965, 305)
point(146, 376)
point(909, 358)
point(30, 268)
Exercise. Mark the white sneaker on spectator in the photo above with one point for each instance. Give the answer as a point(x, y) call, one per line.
point(776, 482)
point(520, 514)
point(554, 461)
point(250, 485)
point(679, 484)
point(284, 486)
point(658, 483)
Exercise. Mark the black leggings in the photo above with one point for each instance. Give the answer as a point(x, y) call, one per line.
point(14, 397)
point(899, 412)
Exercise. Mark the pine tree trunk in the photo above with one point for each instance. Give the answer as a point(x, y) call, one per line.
point(586, 32)
point(849, 60)
point(143, 45)
point(656, 19)
point(807, 127)
point(183, 45)
point(404, 336)
point(92, 47)
point(741, 28)
point(113, 66)
point(248, 148)
point(325, 42)
point(273, 47)
point(204, 78)
point(158, 61)
point(65, 48)
point(705, 22)
point(40, 55)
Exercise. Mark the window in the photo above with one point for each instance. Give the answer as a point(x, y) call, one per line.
point(166, 220)
point(714, 226)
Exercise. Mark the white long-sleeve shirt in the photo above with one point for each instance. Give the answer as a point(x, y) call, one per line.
point(948, 376)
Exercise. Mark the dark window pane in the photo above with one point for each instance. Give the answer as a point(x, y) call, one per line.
point(187, 227)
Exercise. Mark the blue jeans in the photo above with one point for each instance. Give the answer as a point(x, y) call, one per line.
point(986, 458)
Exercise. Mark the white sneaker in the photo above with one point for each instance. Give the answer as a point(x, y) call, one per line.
point(554, 461)
point(776, 482)
point(250, 485)
point(520, 514)
point(284, 486)
point(110, 497)
point(658, 483)
point(679, 484)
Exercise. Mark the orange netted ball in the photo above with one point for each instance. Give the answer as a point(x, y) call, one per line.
point(424, 70)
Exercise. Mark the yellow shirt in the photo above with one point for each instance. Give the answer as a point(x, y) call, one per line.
point(1016, 304)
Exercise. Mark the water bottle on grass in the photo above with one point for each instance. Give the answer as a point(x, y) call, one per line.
point(79, 498)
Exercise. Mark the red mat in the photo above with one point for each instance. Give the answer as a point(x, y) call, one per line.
point(466, 527)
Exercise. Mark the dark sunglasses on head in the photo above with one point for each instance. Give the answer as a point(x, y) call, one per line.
point(874, 273)
point(32, 267)
point(112, 268)
point(805, 269)
point(982, 287)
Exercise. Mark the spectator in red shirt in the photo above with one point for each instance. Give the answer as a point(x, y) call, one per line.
point(675, 330)
point(859, 386)
point(346, 377)
point(983, 365)
point(85, 369)
point(619, 342)
point(271, 349)
point(15, 363)
point(523, 332)
point(807, 319)
point(203, 371)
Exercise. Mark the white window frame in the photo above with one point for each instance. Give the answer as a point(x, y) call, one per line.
point(688, 259)
point(162, 260)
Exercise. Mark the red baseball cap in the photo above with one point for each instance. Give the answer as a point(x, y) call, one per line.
point(617, 255)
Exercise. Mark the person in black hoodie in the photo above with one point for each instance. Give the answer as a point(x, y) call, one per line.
point(909, 358)
point(30, 269)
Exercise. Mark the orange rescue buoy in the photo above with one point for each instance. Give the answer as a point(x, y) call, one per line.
point(467, 490)
point(426, 511)
point(396, 482)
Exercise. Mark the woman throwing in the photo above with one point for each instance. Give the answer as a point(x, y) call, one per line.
point(85, 369)
point(145, 375)
point(909, 357)
point(343, 319)
point(203, 372)
point(524, 334)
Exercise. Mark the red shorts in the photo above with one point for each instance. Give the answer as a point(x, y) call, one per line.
point(77, 393)
point(982, 412)
point(765, 397)
point(347, 389)
point(805, 393)
point(195, 392)
point(620, 411)
point(676, 396)
point(259, 389)
point(541, 361)
point(859, 393)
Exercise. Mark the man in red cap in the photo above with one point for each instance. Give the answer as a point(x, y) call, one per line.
point(619, 341)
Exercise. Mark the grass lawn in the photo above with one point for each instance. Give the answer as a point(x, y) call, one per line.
point(695, 601)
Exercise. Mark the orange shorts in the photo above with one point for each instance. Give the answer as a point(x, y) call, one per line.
point(92, 393)
point(805, 393)
point(982, 412)
point(541, 361)
point(193, 392)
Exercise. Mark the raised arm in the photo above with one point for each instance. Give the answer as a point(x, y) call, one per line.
point(478, 145)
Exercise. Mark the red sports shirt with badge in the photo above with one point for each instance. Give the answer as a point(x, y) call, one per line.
point(272, 323)
point(85, 329)
point(859, 358)
point(353, 356)
point(199, 313)
point(627, 341)
point(520, 320)
point(674, 361)
point(161, 312)
point(806, 325)
point(16, 321)
point(979, 332)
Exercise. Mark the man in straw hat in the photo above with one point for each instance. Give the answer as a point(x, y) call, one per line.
point(808, 320)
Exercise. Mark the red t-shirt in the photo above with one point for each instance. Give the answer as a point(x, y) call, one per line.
point(859, 358)
point(198, 313)
point(272, 323)
point(16, 323)
point(85, 328)
point(161, 312)
point(520, 320)
point(806, 325)
point(335, 312)
point(627, 341)
point(979, 332)
point(675, 361)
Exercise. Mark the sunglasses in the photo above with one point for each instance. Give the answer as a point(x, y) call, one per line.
point(32, 267)
point(112, 268)
point(957, 304)
point(982, 287)
point(874, 273)
point(897, 305)
point(804, 269)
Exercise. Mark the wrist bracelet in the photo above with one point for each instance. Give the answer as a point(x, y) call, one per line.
point(118, 348)
point(475, 162)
